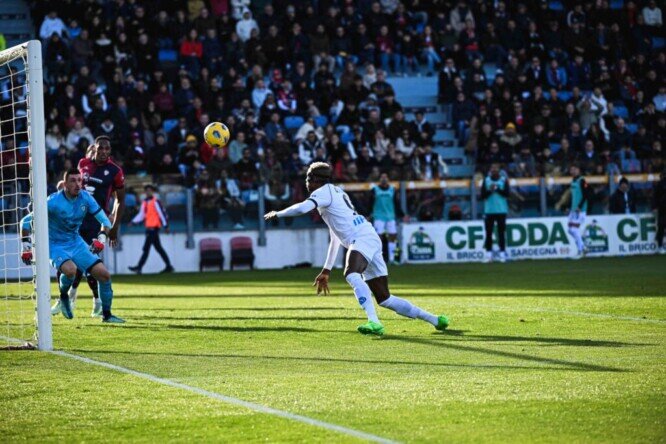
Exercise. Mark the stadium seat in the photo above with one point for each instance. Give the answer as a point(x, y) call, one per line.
point(631, 166)
point(347, 137)
point(658, 42)
point(617, 4)
point(167, 55)
point(556, 6)
point(210, 253)
point(169, 124)
point(622, 111)
point(564, 95)
point(293, 122)
point(632, 128)
point(241, 252)
point(321, 121)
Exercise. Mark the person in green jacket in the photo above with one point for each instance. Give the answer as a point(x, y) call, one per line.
point(580, 196)
point(494, 192)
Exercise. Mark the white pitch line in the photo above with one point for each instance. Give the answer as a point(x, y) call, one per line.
point(567, 312)
point(230, 400)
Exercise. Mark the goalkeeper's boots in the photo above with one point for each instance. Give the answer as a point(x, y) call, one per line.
point(111, 319)
point(97, 308)
point(442, 323)
point(371, 328)
point(72, 296)
point(66, 308)
point(56, 309)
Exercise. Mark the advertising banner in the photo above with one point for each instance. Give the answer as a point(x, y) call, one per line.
point(529, 238)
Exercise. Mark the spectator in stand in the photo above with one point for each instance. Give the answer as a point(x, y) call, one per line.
point(52, 24)
point(623, 200)
point(207, 202)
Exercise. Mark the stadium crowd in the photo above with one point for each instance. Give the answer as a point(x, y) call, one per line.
point(299, 81)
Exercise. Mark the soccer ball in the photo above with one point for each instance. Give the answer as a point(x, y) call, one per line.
point(217, 134)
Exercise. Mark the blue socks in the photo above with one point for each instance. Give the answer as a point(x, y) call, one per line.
point(65, 284)
point(106, 295)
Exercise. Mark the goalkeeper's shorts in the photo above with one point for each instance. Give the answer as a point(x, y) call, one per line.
point(76, 251)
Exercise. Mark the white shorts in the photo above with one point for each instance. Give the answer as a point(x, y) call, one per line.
point(371, 249)
point(576, 219)
point(385, 226)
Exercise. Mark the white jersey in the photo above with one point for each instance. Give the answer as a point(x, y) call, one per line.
point(339, 214)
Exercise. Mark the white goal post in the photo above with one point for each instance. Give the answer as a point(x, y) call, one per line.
point(24, 189)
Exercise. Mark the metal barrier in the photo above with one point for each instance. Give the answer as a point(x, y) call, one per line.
point(544, 184)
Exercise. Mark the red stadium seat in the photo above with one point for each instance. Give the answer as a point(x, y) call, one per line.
point(241, 251)
point(210, 253)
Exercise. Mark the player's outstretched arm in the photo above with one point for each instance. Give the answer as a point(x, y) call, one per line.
point(293, 211)
point(321, 281)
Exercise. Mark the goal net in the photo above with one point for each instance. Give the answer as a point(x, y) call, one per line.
point(25, 319)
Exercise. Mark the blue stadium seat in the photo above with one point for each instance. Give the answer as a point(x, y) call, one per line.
point(555, 147)
point(556, 5)
point(564, 95)
point(169, 124)
point(293, 122)
point(347, 137)
point(167, 55)
point(658, 42)
point(622, 111)
point(632, 128)
point(617, 4)
point(321, 121)
point(23, 147)
point(631, 166)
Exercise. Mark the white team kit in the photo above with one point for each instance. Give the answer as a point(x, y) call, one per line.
point(350, 228)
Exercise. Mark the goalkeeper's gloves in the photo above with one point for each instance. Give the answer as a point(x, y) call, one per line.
point(26, 255)
point(97, 245)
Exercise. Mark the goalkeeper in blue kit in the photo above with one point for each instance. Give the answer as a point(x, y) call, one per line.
point(67, 250)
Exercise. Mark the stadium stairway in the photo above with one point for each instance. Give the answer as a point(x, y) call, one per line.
point(15, 22)
point(420, 94)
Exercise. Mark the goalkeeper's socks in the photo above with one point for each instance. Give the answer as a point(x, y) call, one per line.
point(64, 283)
point(405, 308)
point(92, 283)
point(106, 294)
point(363, 295)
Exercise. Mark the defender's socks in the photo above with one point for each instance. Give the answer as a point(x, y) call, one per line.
point(575, 232)
point(106, 294)
point(391, 251)
point(92, 283)
point(77, 279)
point(405, 308)
point(363, 295)
point(64, 283)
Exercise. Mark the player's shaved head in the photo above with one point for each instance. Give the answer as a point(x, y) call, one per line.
point(102, 150)
point(319, 173)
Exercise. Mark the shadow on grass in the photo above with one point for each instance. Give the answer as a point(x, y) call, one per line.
point(505, 354)
point(542, 340)
point(255, 318)
point(242, 309)
point(324, 360)
point(439, 342)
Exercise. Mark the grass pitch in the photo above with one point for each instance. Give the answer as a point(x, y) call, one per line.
point(550, 351)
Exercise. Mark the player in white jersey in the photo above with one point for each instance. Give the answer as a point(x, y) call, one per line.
point(365, 269)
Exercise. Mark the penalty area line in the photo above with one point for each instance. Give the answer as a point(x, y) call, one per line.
point(230, 400)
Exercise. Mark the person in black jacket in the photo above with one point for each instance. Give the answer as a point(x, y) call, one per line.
point(659, 206)
point(623, 200)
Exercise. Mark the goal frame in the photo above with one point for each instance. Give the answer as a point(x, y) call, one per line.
point(31, 52)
